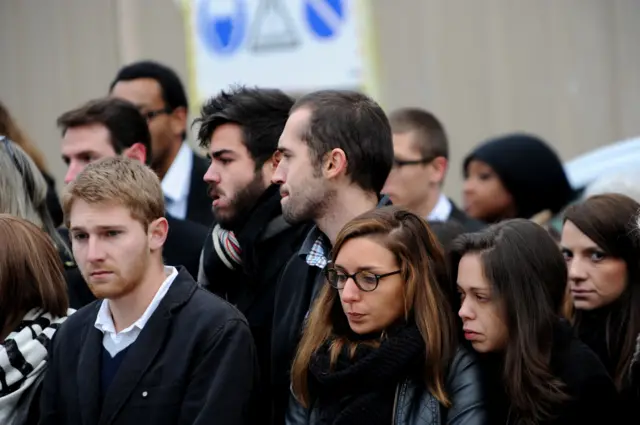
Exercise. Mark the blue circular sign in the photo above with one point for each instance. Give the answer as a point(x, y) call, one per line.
point(324, 17)
point(224, 32)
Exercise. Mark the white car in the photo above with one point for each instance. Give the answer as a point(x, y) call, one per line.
point(611, 159)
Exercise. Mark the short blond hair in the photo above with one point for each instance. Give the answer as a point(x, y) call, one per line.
point(118, 180)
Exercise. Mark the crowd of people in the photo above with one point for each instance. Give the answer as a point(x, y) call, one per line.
point(309, 271)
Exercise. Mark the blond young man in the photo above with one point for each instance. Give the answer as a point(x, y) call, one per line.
point(154, 348)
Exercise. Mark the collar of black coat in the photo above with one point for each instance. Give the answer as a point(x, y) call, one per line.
point(180, 292)
point(315, 233)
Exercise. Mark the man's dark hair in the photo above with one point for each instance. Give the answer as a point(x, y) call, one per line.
point(431, 136)
point(122, 118)
point(261, 113)
point(173, 92)
point(353, 122)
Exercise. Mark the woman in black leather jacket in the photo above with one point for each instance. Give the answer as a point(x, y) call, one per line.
point(512, 278)
point(379, 346)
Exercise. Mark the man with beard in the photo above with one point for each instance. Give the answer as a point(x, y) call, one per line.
point(155, 348)
point(251, 242)
point(336, 153)
point(109, 127)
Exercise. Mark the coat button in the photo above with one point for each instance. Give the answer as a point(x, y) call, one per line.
point(145, 394)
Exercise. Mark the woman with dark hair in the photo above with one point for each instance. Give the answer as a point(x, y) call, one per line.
point(33, 304)
point(514, 176)
point(511, 278)
point(602, 251)
point(379, 346)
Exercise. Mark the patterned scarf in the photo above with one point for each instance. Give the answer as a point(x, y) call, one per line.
point(23, 360)
point(227, 247)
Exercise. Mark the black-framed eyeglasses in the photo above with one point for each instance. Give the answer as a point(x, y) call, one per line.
point(28, 178)
point(365, 280)
point(399, 163)
point(149, 115)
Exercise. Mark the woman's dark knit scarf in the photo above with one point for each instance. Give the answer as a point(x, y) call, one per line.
point(360, 389)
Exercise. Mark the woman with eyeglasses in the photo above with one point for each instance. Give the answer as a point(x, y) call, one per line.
point(511, 280)
point(379, 346)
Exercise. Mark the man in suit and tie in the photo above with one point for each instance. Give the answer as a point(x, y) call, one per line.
point(159, 94)
point(421, 159)
point(110, 127)
point(155, 348)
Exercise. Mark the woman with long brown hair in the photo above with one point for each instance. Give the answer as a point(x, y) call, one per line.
point(33, 304)
point(379, 346)
point(511, 279)
point(602, 251)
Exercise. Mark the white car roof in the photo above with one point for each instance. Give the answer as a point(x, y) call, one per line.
point(586, 168)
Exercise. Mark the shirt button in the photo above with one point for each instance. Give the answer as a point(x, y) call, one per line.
point(145, 394)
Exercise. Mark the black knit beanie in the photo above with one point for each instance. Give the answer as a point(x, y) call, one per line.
point(529, 169)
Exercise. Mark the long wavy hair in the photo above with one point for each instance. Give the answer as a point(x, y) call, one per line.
point(610, 222)
point(31, 273)
point(23, 191)
point(9, 128)
point(528, 276)
point(423, 268)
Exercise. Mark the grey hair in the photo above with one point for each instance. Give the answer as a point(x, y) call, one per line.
point(623, 182)
point(23, 191)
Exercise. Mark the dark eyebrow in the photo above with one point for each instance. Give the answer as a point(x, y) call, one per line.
point(371, 269)
point(102, 228)
point(473, 288)
point(283, 150)
point(218, 154)
point(81, 153)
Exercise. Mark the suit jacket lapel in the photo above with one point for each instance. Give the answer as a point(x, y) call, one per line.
point(143, 352)
point(88, 373)
point(456, 213)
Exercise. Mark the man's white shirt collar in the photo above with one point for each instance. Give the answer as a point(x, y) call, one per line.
point(113, 341)
point(177, 182)
point(442, 210)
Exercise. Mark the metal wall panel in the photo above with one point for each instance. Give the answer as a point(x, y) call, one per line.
point(568, 70)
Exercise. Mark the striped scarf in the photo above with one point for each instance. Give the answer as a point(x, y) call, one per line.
point(227, 247)
point(23, 359)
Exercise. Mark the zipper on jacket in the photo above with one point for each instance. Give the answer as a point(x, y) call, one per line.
point(395, 405)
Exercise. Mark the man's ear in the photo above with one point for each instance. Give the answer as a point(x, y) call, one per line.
point(334, 163)
point(137, 151)
point(269, 168)
point(440, 165)
point(157, 233)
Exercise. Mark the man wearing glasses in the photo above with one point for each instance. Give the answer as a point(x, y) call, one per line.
point(159, 94)
point(421, 159)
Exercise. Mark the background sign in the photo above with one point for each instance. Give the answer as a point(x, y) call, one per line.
point(294, 45)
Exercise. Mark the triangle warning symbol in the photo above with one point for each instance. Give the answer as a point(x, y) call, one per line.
point(272, 28)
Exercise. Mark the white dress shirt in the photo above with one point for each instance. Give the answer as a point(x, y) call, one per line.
point(114, 342)
point(177, 181)
point(442, 210)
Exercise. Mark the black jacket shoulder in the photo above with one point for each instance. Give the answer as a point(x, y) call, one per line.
point(593, 395)
point(417, 406)
point(198, 201)
point(184, 243)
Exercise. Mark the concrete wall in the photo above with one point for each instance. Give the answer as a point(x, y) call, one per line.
point(568, 70)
